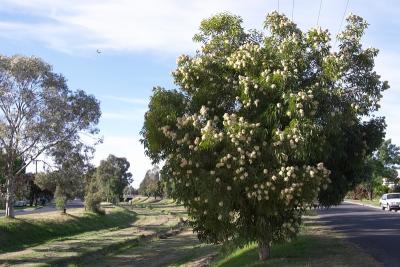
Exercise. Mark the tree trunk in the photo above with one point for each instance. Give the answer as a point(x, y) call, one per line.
point(263, 250)
point(10, 198)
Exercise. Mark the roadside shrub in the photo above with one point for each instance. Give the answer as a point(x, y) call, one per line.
point(60, 199)
point(381, 189)
point(92, 203)
point(359, 192)
point(60, 203)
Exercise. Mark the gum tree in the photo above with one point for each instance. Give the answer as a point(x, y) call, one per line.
point(38, 112)
point(262, 123)
point(111, 177)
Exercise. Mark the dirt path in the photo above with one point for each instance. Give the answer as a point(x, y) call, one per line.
point(136, 245)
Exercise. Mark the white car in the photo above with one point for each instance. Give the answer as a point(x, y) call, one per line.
point(390, 201)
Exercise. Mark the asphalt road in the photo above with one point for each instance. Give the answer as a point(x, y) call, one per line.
point(377, 232)
point(77, 203)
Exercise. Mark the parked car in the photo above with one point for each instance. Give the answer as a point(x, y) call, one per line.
point(20, 203)
point(390, 201)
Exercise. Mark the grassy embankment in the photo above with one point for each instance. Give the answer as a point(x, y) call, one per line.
point(155, 238)
point(148, 240)
point(28, 230)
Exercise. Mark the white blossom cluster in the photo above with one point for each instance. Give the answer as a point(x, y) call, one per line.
point(318, 38)
point(246, 55)
point(290, 183)
point(304, 101)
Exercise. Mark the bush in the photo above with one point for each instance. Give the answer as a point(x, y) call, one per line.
point(380, 190)
point(360, 192)
point(60, 202)
point(92, 203)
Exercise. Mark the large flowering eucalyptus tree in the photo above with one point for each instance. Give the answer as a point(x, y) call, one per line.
point(264, 123)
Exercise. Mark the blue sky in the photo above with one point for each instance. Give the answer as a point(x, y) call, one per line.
point(140, 41)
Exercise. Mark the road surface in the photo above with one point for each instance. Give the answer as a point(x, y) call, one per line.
point(77, 203)
point(377, 232)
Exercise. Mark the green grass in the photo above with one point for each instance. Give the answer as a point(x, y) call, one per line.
point(373, 202)
point(99, 247)
point(248, 256)
point(30, 230)
point(315, 246)
point(132, 238)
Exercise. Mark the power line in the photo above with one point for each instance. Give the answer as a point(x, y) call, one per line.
point(341, 23)
point(319, 11)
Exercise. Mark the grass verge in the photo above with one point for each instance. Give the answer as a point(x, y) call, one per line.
point(315, 246)
point(373, 202)
point(33, 229)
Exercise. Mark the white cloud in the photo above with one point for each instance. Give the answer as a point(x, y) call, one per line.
point(164, 26)
point(128, 147)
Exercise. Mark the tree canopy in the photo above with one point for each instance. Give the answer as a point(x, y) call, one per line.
point(262, 123)
point(382, 164)
point(151, 184)
point(37, 112)
point(110, 178)
point(66, 179)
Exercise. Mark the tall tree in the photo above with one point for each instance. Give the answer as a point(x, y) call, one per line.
point(37, 112)
point(112, 177)
point(258, 123)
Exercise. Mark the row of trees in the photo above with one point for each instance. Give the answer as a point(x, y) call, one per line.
point(72, 176)
point(264, 122)
point(382, 166)
point(76, 177)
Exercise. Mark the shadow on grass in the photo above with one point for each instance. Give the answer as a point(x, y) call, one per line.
point(18, 234)
point(86, 258)
point(298, 253)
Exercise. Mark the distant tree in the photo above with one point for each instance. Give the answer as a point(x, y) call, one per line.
point(263, 123)
point(71, 161)
point(111, 177)
point(37, 112)
point(129, 191)
point(151, 184)
point(384, 163)
point(93, 195)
